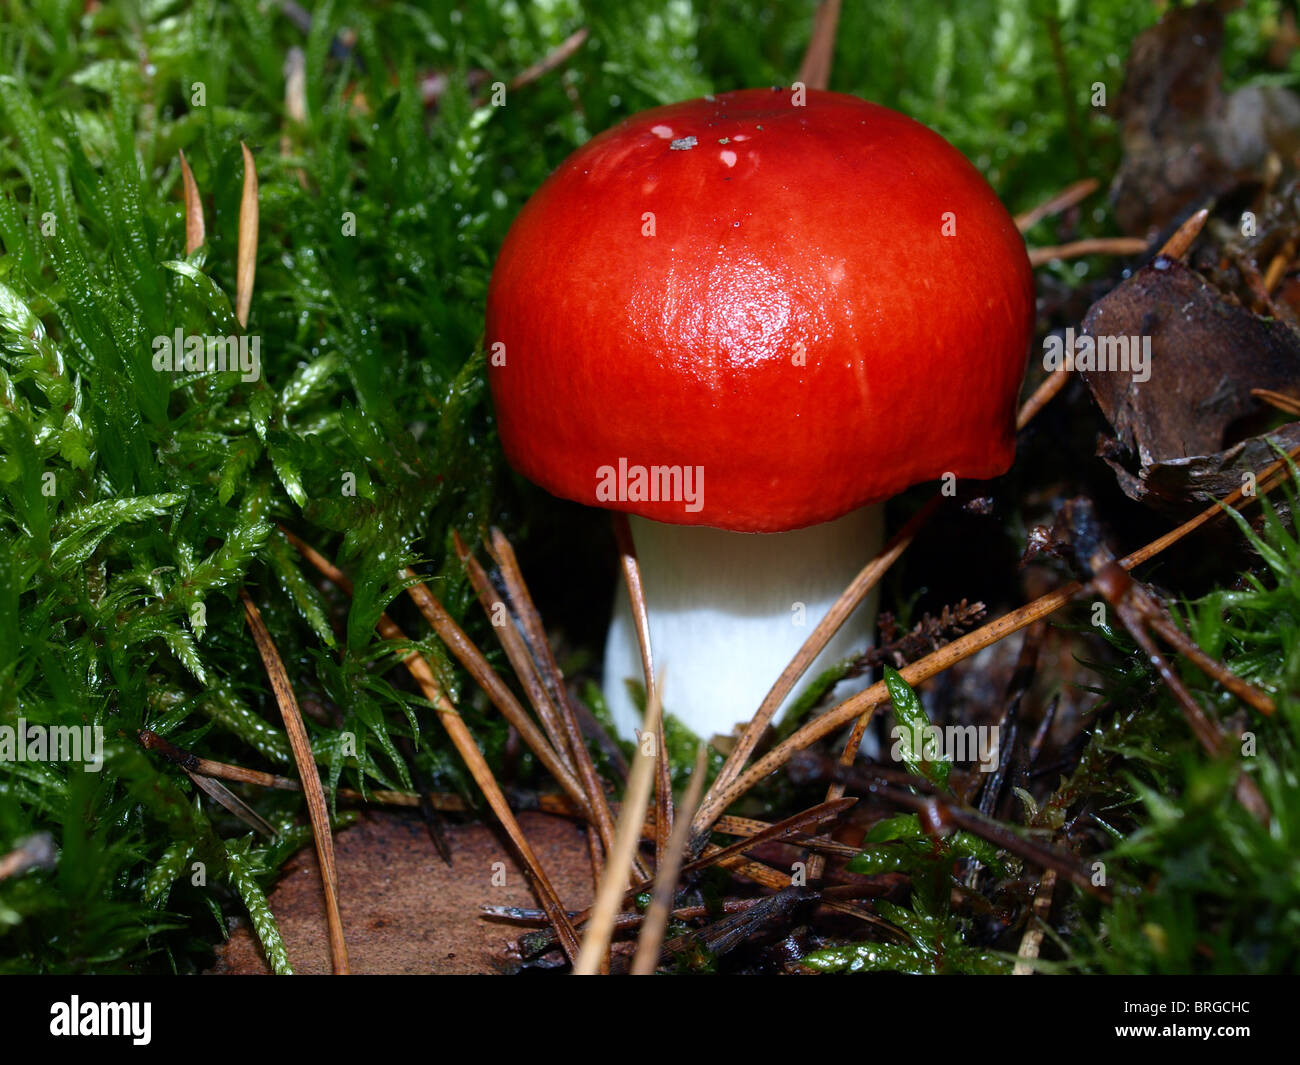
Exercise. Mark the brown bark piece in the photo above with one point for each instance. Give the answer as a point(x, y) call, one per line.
point(405, 910)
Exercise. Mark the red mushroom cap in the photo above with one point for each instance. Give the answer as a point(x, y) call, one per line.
point(815, 305)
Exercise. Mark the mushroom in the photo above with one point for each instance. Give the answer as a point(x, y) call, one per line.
point(747, 320)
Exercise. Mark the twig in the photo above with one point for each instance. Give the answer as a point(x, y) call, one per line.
point(1138, 610)
point(311, 786)
point(1009, 724)
point(940, 816)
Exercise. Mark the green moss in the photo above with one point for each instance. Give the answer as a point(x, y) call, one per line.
point(134, 504)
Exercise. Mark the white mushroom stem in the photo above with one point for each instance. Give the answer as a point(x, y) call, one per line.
point(729, 610)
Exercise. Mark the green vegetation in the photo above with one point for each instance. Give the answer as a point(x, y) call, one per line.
point(1204, 886)
point(134, 504)
point(932, 937)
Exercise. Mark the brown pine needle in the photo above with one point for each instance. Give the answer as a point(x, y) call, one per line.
point(463, 740)
point(476, 665)
point(641, 616)
point(223, 796)
point(866, 702)
point(195, 233)
point(1062, 201)
point(246, 267)
point(481, 670)
point(814, 815)
point(555, 58)
point(1042, 396)
point(667, 870)
point(1212, 667)
point(516, 651)
point(1185, 235)
point(1265, 481)
point(635, 592)
point(613, 885)
point(1286, 404)
point(815, 70)
point(1175, 247)
point(1077, 249)
point(446, 801)
point(535, 636)
point(307, 773)
point(1278, 267)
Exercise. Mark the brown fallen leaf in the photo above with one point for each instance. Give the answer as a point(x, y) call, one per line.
point(1193, 425)
point(1184, 139)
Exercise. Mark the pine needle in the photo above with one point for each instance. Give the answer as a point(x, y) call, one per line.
point(307, 773)
point(195, 233)
point(248, 219)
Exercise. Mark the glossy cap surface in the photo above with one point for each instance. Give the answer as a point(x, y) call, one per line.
point(768, 313)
